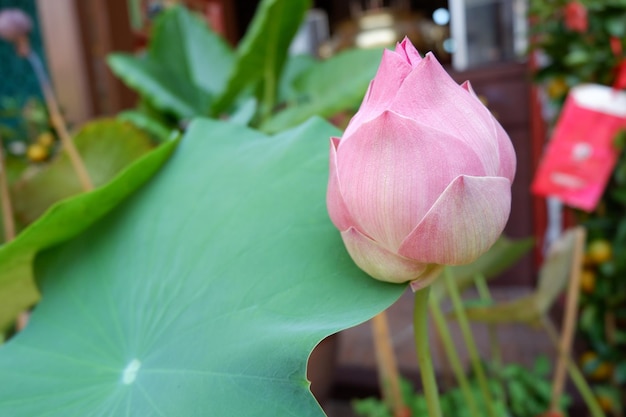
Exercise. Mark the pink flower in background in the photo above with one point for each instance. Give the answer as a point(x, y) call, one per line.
point(422, 175)
point(576, 17)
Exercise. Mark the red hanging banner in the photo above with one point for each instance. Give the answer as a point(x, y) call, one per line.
point(580, 156)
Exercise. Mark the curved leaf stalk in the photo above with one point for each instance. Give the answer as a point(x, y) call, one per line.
point(424, 357)
point(387, 366)
point(269, 88)
point(470, 343)
point(58, 122)
point(574, 372)
point(453, 356)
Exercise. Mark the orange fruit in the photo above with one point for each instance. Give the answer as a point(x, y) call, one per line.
point(588, 281)
point(45, 139)
point(37, 152)
point(556, 88)
point(602, 370)
point(606, 403)
point(600, 250)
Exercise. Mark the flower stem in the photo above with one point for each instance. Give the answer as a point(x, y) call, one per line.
point(387, 366)
point(59, 123)
point(424, 358)
point(485, 295)
point(470, 343)
point(453, 356)
point(480, 283)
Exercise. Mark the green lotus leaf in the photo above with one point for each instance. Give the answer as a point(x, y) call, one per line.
point(162, 89)
point(262, 52)
point(201, 295)
point(106, 146)
point(63, 221)
point(188, 49)
point(351, 72)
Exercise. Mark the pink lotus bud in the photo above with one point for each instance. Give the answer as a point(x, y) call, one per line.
point(14, 24)
point(422, 175)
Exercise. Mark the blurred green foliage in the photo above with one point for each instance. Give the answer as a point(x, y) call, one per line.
point(520, 392)
point(575, 57)
point(572, 57)
point(188, 70)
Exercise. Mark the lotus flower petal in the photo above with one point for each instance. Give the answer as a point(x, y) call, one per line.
point(505, 147)
point(382, 90)
point(508, 161)
point(467, 86)
point(409, 52)
point(393, 169)
point(427, 277)
point(379, 262)
point(430, 96)
point(422, 175)
point(337, 209)
point(464, 223)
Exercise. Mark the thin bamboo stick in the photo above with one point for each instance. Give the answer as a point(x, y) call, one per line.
point(8, 222)
point(575, 374)
point(8, 219)
point(57, 121)
point(388, 373)
point(569, 322)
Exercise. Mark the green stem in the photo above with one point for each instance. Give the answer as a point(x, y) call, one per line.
point(269, 94)
point(494, 344)
point(585, 390)
point(483, 289)
point(424, 358)
point(453, 356)
point(485, 295)
point(466, 331)
point(575, 374)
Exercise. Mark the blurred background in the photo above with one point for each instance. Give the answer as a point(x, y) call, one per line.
point(522, 69)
